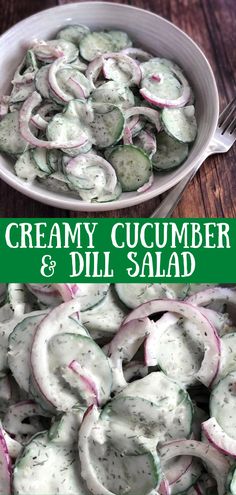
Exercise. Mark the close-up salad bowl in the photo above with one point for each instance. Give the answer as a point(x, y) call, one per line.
point(148, 32)
point(117, 389)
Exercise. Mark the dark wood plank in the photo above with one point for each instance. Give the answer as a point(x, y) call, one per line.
point(211, 23)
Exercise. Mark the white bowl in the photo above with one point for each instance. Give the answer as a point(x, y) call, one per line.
point(149, 31)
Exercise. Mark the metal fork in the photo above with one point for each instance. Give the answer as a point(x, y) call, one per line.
point(224, 138)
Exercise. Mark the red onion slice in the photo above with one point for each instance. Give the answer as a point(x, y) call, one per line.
point(47, 52)
point(50, 326)
point(216, 463)
point(54, 86)
point(88, 382)
point(165, 102)
point(175, 471)
point(52, 80)
point(111, 179)
point(137, 54)
point(212, 343)
point(146, 186)
point(88, 473)
point(65, 291)
point(219, 438)
point(78, 89)
point(124, 346)
point(148, 113)
point(135, 70)
point(164, 488)
point(45, 293)
point(95, 67)
point(14, 448)
point(5, 467)
point(93, 70)
point(127, 136)
point(206, 296)
point(39, 122)
point(24, 119)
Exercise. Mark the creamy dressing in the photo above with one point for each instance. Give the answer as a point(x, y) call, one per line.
point(104, 319)
point(223, 404)
point(180, 351)
point(47, 468)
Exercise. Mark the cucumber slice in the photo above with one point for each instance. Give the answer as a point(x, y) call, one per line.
point(23, 420)
point(168, 86)
point(180, 351)
point(6, 328)
point(40, 158)
point(107, 197)
point(48, 468)
point(231, 482)
point(46, 51)
point(94, 44)
point(180, 123)
point(80, 65)
point(31, 61)
point(176, 291)
point(122, 69)
point(18, 298)
point(106, 470)
point(159, 389)
point(97, 43)
point(120, 40)
point(54, 158)
point(107, 125)
point(146, 140)
point(56, 182)
point(19, 345)
point(133, 167)
point(65, 429)
point(78, 151)
point(132, 475)
point(36, 395)
point(223, 403)
point(73, 33)
point(90, 295)
point(70, 125)
point(105, 318)
point(170, 153)
point(26, 168)
point(66, 348)
point(21, 92)
point(174, 408)
point(228, 354)
point(157, 66)
point(132, 295)
point(41, 81)
point(114, 93)
point(46, 358)
point(63, 77)
point(91, 175)
point(10, 137)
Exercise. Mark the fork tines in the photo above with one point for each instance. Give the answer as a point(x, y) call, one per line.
point(226, 121)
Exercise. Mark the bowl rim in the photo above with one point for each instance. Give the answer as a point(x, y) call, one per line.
point(54, 199)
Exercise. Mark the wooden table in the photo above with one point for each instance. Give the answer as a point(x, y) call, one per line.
point(211, 23)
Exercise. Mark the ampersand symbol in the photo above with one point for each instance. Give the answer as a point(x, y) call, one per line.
point(48, 266)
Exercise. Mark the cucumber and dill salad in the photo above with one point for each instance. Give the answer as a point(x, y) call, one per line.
point(125, 389)
point(93, 116)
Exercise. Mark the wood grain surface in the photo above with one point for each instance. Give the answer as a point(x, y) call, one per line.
point(211, 23)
